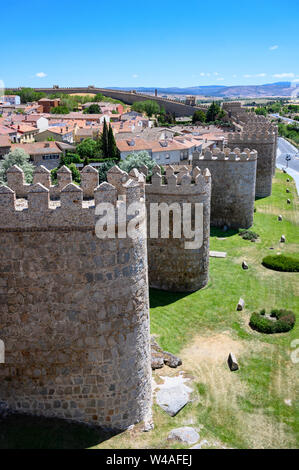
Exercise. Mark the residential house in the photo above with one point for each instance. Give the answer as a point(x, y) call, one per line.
point(47, 104)
point(38, 121)
point(60, 133)
point(47, 154)
point(10, 99)
point(5, 145)
point(25, 132)
point(8, 131)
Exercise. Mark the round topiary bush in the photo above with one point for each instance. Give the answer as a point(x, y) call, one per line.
point(279, 321)
point(282, 263)
point(248, 235)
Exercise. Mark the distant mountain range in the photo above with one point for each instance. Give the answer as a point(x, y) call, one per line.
point(243, 91)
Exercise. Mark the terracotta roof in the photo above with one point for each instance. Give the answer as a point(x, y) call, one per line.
point(39, 148)
point(4, 141)
point(4, 130)
point(139, 144)
point(22, 128)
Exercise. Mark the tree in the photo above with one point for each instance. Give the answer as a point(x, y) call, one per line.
point(28, 95)
point(113, 151)
point(149, 107)
point(213, 111)
point(198, 116)
point(62, 109)
point(16, 157)
point(93, 109)
point(103, 170)
point(261, 111)
point(104, 141)
point(75, 172)
point(136, 160)
point(87, 148)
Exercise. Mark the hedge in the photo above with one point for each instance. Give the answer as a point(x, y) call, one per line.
point(285, 321)
point(248, 234)
point(281, 263)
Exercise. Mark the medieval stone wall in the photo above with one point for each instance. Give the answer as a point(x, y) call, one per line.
point(233, 185)
point(263, 141)
point(74, 310)
point(171, 265)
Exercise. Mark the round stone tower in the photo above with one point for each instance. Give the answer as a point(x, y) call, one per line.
point(264, 142)
point(233, 185)
point(74, 307)
point(174, 263)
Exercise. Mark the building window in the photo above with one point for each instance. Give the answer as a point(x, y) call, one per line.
point(167, 156)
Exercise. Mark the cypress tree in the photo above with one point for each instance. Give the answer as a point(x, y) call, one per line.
point(113, 151)
point(104, 139)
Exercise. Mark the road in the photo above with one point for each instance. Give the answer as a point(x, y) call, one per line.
point(284, 148)
point(290, 121)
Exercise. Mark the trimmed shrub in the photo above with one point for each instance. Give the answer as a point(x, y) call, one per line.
point(248, 234)
point(281, 263)
point(283, 321)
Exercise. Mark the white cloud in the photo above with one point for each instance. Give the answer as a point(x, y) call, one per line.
point(135, 75)
point(284, 75)
point(202, 74)
point(235, 75)
point(248, 75)
point(41, 74)
point(273, 48)
point(220, 78)
point(216, 73)
point(296, 80)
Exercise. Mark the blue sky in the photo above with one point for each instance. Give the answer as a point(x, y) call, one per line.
point(156, 43)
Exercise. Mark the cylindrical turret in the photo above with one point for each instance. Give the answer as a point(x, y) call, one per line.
point(233, 185)
point(174, 263)
point(75, 310)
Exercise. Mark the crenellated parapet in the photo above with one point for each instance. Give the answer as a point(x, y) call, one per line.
point(235, 155)
point(233, 174)
point(16, 180)
point(254, 137)
point(182, 183)
point(69, 209)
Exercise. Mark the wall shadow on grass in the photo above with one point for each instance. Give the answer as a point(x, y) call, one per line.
point(160, 298)
point(20, 431)
point(218, 232)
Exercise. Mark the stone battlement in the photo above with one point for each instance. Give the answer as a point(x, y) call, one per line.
point(184, 182)
point(69, 209)
point(259, 137)
point(16, 180)
point(227, 155)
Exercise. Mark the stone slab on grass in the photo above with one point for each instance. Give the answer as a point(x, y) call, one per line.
point(173, 394)
point(186, 434)
point(218, 254)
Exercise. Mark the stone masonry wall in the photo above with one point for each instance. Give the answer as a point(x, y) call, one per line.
point(233, 185)
point(171, 266)
point(74, 310)
point(264, 144)
point(16, 180)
